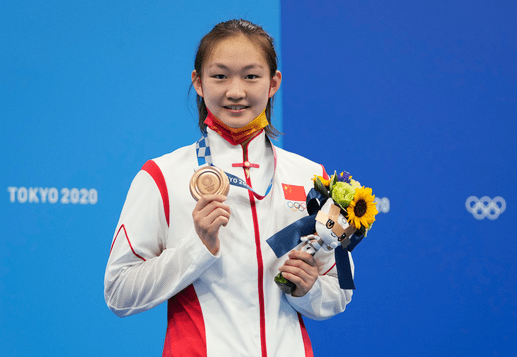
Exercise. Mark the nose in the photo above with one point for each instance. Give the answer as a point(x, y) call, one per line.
point(236, 90)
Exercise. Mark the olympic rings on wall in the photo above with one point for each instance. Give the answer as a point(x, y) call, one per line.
point(485, 207)
point(383, 204)
point(297, 206)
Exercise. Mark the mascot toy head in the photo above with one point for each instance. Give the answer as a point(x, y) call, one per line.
point(331, 226)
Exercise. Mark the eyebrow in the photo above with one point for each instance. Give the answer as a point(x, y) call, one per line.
point(222, 66)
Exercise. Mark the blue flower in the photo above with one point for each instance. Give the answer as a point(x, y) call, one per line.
point(344, 177)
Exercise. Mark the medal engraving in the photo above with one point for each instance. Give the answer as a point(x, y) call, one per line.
point(207, 184)
point(209, 180)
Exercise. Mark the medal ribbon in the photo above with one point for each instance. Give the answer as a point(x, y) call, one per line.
point(204, 157)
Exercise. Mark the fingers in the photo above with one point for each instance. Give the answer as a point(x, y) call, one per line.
point(299, 268)
point(212, 210)
point(303, 256)
point(302, 269)
point(215, 215)
point(206, 200)
point(209, 215)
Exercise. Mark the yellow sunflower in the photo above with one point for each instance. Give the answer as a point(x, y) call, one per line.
point(362, 210)
point(323, 181)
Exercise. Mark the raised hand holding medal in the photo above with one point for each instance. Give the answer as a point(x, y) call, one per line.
point(209, 187)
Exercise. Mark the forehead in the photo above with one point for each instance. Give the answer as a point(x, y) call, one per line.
point(236, 51)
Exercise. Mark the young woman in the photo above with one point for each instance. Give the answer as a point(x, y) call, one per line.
point(209, 259)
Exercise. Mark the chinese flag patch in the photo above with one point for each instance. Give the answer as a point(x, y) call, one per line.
point(294, 193)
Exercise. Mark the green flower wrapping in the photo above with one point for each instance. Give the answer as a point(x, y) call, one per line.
point(343, 193)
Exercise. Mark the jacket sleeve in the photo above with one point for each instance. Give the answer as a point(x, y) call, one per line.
point(326, 298)
point(145, 268)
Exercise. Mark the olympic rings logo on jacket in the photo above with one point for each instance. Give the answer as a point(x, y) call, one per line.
point(296, 206)
point(485, 207)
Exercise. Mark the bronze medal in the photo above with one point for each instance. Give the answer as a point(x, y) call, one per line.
point(209, 180)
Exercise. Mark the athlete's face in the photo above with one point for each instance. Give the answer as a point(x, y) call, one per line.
point(235, 81)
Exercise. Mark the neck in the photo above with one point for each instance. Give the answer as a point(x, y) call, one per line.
point(237, 135)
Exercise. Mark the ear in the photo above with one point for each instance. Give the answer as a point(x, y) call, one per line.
point(196, 82)
point(275, 83)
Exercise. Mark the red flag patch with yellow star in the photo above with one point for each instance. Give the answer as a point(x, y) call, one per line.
point(294, 193)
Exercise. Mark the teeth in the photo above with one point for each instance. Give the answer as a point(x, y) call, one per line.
point(236, 107)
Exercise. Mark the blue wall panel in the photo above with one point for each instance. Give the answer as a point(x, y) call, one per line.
point(418, 101)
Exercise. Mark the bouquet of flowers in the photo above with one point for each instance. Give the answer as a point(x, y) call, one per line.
point(341, 212)
point(356, 201)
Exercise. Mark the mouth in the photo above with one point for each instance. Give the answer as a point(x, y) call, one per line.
point(235, 107)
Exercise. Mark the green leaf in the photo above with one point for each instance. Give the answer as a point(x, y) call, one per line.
point(318, 185)
point(333, 180)
point(280, 278)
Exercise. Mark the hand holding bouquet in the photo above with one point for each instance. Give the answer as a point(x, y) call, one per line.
point(341, 213)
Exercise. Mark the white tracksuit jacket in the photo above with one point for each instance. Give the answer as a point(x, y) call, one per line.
point(227, 304)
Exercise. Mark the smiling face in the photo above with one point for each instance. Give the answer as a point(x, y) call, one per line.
point(235, 82)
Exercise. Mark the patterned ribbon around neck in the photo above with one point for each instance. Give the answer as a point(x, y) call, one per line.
point(237, 136)
point(204, 157)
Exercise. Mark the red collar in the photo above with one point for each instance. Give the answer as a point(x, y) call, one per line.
point(237, 135)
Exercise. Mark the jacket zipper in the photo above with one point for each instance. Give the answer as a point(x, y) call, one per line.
point(260, 262)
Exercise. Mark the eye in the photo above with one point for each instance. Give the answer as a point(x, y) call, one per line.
point(251, 76)
point(219, 76)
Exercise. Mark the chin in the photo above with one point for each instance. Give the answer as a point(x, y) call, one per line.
point(236, 124)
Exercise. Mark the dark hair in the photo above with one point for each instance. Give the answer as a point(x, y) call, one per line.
point(255, 34)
